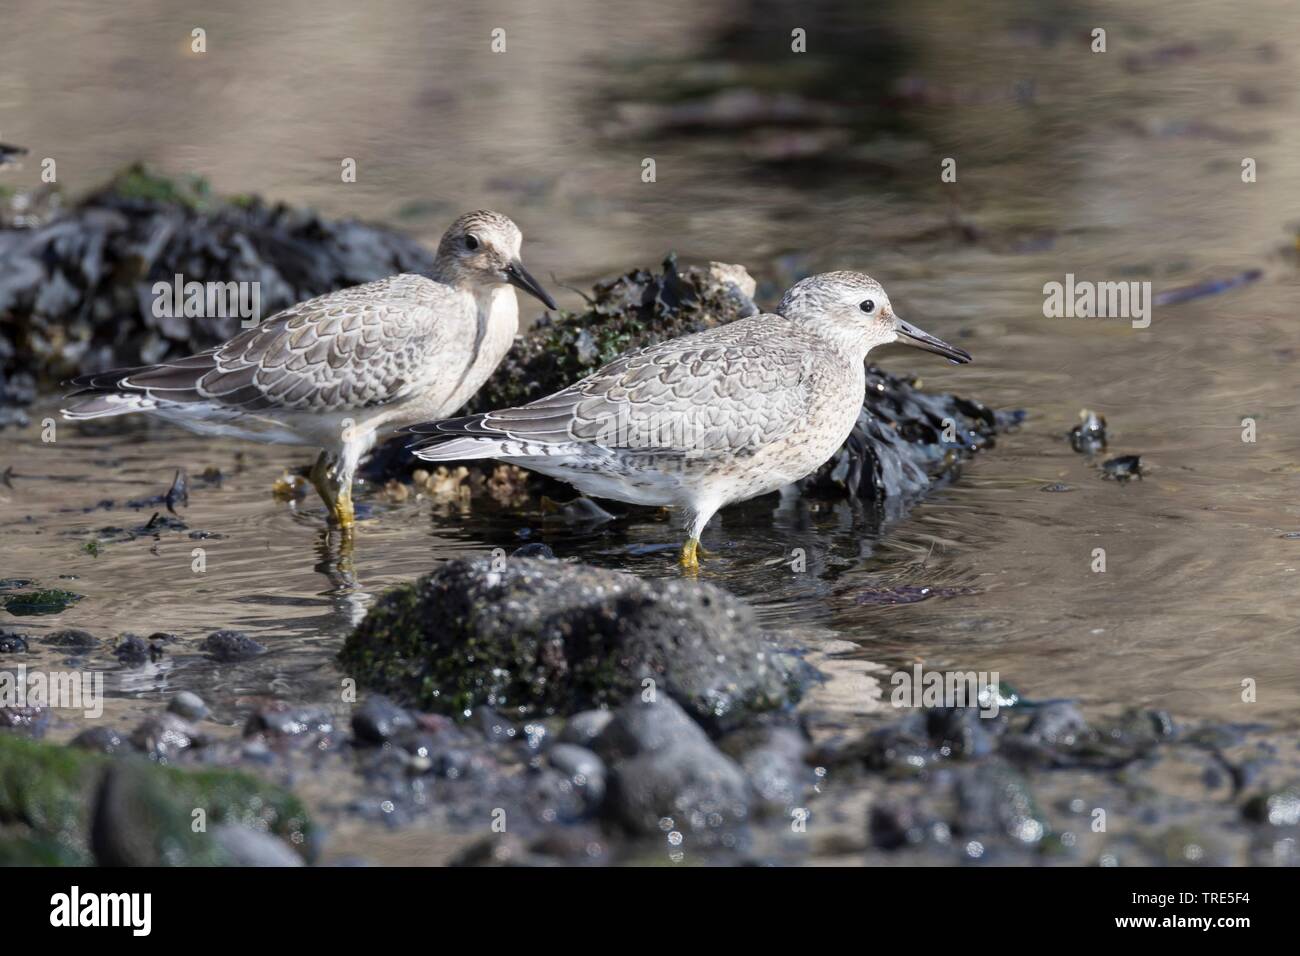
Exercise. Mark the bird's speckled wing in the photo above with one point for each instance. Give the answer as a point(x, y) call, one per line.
point(367, 345)
point(722, 391)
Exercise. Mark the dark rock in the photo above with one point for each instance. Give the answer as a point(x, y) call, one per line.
point(132, 650)
point(73, 640)
point(244, 847)
point(102, 740)
point(1122, 468)
point(666, 775)
point(584, 727)
point(12, 643)
point(496, 729)
point(1057, 722)
point(448, 756)
point(230, 646)
point(534, 550)
point(164, 736)
point(642, 727)
point(996, 799)
point(582, 768)
point(541, 637)
point(774, 761)
point(893, 824)
point(378, 720)
point(188, 705)
point(28, 720)
point(962, 731)
point(1279, 808)
point(282, 719)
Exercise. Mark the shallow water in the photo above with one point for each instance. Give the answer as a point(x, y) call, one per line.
point(1110, 172)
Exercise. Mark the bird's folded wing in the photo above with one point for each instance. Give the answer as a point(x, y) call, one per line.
point(701, 395)
point(358, 347)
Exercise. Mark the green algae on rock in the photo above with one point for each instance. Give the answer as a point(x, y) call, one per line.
point(535, 637)
point(64, 806)
point(22, 602)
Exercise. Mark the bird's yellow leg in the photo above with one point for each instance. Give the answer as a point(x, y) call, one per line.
point(344, 516)
point(690, 555)
point(320, 480)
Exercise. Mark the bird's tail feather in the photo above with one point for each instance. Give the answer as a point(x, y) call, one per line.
point(475, 436)
point(463, 449)
point(108, 405)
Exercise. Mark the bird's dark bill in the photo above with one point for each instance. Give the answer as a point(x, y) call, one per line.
point(518, 276)
point(909, 334)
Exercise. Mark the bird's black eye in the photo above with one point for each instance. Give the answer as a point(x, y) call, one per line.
point(867, 305)
point(471, 243)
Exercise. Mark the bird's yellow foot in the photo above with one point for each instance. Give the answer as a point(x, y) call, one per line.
point(690, 560)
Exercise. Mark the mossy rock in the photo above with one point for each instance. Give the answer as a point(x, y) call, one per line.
point(61, 806)
point(538, 638)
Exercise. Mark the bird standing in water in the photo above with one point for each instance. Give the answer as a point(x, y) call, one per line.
point(704, 420)
point(342, 370)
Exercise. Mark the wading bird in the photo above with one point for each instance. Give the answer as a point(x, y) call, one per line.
point(340, 371)
point(704, 420)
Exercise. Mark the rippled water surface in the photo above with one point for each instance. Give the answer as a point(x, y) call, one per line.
point(1111, 167)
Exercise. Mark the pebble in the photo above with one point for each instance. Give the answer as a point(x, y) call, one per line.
point(229, 646)
point(189, 705)
point(378, 720)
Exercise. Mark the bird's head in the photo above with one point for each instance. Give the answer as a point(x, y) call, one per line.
point(852, 308)
point(481, 249)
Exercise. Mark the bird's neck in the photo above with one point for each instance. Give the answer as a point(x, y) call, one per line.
point(497, 319)
point(850, 340)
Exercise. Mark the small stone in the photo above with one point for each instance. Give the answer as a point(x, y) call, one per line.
point(667, 773)
point(1123, 468)
point(582, 767)
point(247, 847)
point(73, 639)
point(1281, 808)
point(281, 719)
point(131, 650)
point(378, 720)
point(1057, 723)
point(189, 705)
point(534, 550)
point(584, 727)
point(103, 740)
point(230, 646)
point(164, 736)
point(29, 720)
point(12, 643)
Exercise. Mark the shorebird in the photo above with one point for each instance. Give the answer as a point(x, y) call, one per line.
point(341, 370)
point(701, 421)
